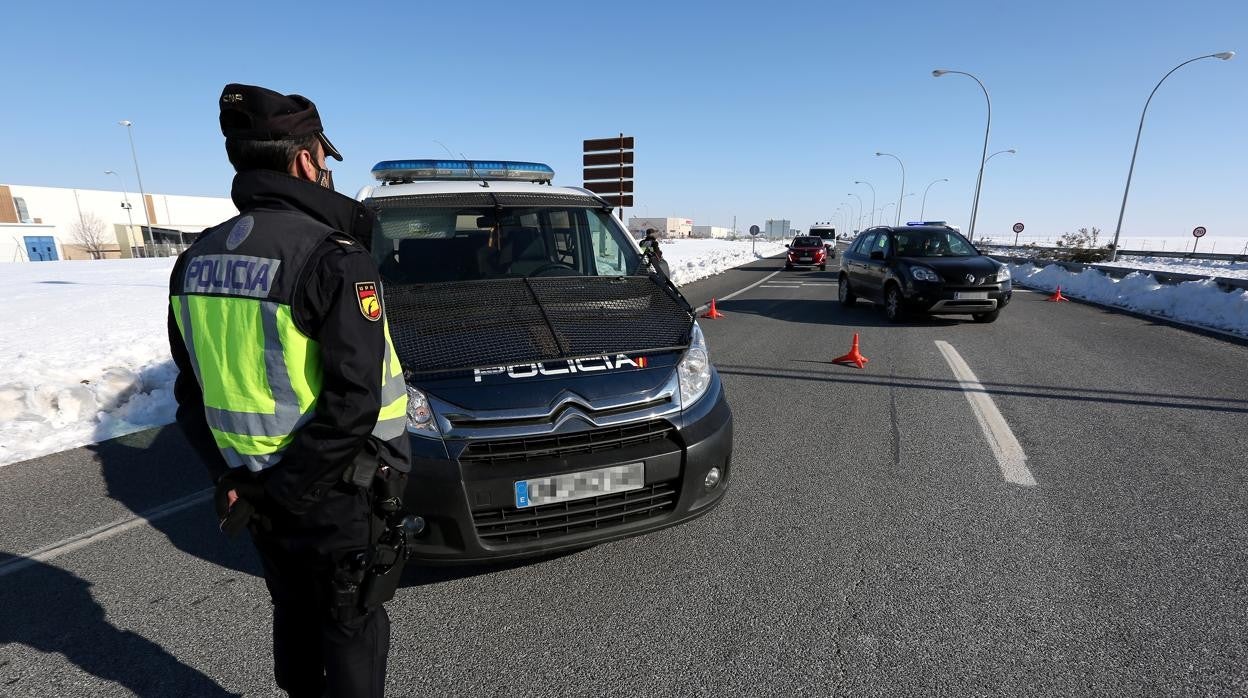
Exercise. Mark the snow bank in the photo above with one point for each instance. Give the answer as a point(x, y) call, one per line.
point(84, 354)
point(690, 260)
point(1197, 302)
point(1204, 267)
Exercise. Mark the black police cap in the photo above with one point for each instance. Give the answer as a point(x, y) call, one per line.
point(253, 113)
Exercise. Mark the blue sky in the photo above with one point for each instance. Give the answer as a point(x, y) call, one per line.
point(758, 110)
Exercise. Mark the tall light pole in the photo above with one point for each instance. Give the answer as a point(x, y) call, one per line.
point(1224, 56)
point(901, 194)
point(858, 218)
point(125, 197)
point(883, 210)
point(983, 158)
point(923, 208)
point(142, 195)
point(872, 200)
point(1011, 151)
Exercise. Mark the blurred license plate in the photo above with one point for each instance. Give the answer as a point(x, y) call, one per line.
point(590, 483)
point(804, 257)
point(970, 295)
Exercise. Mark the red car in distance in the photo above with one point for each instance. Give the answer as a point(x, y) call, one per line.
point(806, 251)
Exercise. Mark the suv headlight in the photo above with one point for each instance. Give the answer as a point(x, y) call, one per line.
point(1003, 273)
point(419, 414)
point(924, 274)
point(694, 370)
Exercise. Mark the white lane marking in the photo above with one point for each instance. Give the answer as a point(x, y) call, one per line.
point(703, 308)
point(102, 533)
point(1006, 448)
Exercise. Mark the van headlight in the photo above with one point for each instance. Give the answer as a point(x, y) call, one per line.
point(1003, 273)
point(419, 414)
point(694, 370)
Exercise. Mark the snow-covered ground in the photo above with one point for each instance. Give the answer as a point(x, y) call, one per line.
point(1204, 267)
point(690, 260)
point(84, 354)
point(1200, 303)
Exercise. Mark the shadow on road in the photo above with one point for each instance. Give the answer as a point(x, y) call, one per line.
point(52, 611)
point(827, 311)
point(146, 470)
point(1078, 394)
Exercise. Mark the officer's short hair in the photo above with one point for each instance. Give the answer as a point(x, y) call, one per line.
point(276, 155)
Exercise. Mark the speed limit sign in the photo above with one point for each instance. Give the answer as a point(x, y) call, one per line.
point(1199, 231)
point(1018, 227)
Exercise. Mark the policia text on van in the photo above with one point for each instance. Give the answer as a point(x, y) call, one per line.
point(560, 392)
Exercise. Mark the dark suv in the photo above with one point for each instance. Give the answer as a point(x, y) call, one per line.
point(923, 268)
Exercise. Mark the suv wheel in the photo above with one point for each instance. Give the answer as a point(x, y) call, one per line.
point(845, 295)
point(987, 317)
point(893, 308)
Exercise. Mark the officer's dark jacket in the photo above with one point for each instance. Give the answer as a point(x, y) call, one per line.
point(324, 235)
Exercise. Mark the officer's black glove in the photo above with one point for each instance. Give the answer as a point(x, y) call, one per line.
point(251, 496)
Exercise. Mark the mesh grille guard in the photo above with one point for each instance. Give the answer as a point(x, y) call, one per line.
point(454, 326)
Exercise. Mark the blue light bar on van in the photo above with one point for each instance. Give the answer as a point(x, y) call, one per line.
point(425, 170)
point(926, 223)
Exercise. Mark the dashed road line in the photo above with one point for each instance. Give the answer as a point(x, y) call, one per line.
point(1005, 447)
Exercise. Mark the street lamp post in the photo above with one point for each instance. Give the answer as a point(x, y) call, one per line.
point(126, 198)
point(858, 218)
point(901, 194)
point(872, 200)
point(142, 194)
point(1224, 56)
point(983, 158)
point(923, 208)
point(883, 210)
point(1011, 151)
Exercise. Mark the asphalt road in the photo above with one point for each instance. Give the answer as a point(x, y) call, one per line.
point(871, 543)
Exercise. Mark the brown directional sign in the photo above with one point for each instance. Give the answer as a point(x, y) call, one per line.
point(617, 172)
point(608, 170)
point(616, 158)
point(615, 143)
point(613, 186)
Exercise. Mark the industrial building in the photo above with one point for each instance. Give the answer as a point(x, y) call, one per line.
point(778, 229)
point(663, 227)
point(51, 223)
point(711, 231)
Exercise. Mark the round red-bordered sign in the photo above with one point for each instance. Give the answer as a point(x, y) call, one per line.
point(1018, 227)
point(1199, 231)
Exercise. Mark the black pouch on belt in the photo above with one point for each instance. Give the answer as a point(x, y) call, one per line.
point(389, 559)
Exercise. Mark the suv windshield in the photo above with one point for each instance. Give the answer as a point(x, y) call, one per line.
point(931, 243)
point(807, 242)
point(419, 245)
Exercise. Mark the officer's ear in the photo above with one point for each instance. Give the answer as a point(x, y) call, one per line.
point(304, 166)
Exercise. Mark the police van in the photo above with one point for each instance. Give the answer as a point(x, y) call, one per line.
point(561, 393)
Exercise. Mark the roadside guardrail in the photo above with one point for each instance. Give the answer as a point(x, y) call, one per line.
point(1171, 254)
point(1162, 277)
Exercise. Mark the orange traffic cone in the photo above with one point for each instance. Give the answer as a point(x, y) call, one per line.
point(853, 357)
point(713, 313)
point(1058, 297)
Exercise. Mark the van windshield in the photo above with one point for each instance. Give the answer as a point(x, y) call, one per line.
point(420, 245)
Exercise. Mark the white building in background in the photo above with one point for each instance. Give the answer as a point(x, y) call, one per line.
point(39, 223)
point(711, 231)
point(663, 227)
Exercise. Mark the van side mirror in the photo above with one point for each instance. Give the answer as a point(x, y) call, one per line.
point(789, 246)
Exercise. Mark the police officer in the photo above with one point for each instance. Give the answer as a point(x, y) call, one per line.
point(650, 245)
point(290, 389)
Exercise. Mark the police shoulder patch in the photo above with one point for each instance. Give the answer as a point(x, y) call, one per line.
point(370, 302)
